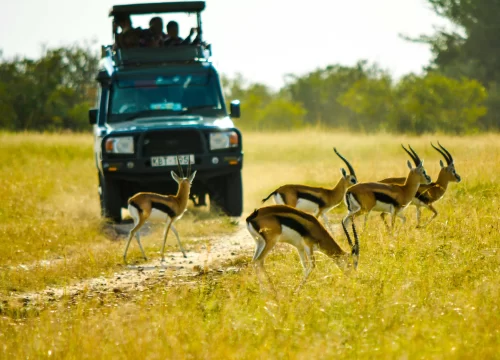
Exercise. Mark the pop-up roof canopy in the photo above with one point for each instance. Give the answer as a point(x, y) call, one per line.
point(146, 56)
point(188, 7)
point(158, 8)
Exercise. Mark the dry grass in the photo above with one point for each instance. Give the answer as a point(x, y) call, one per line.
point(430, 293)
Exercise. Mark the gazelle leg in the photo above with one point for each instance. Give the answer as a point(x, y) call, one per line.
point(418, 216)
point(431, 208)
point(178, 240)
point(393, 219)
point(169, 223)
point(355, 248)
point(138, 238)
point(327, 223)
point(366, 220)
point(382, 215)
point(262, 248)
point(138, 222)
point(345, 222)
point(308, 263)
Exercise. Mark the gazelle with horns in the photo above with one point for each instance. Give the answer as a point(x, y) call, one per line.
point(386, 198)
point(281, 223)
point(428, 194)
point(142, 204)
point(315, 200)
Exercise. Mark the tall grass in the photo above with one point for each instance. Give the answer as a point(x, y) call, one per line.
point(426, 293)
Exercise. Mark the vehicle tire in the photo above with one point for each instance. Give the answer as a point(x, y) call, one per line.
point(110, 200)
point(228, 196)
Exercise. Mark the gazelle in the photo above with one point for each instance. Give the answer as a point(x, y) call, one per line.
point(428, 194)
point(315, 200)
point(281, 223)
point(386, 198)
point(142, 204)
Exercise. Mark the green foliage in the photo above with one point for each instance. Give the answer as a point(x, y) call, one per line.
point(50, 93)
point(472, 50)
point(55, 92)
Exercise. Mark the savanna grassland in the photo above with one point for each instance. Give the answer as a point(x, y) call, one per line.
point(422, 293)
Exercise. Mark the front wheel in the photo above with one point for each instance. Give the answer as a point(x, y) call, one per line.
point(109, 194)
point(228, 195)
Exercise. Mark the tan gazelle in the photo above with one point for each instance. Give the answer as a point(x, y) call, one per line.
point(364, 198)
point(428, 194)
point(315, 200)
point(282, 223)
point(142, 204)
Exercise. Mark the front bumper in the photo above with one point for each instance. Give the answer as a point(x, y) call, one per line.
point(140, 170)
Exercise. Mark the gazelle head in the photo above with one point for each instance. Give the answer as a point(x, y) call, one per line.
point(183, 180)
point(418, 171)
point(351, 177)
point(449, 170)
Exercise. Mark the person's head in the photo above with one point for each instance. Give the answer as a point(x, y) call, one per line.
point(173, 29)
point(156, 25)
point(123, 21)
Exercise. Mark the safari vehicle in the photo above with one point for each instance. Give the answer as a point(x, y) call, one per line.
point(157, 105)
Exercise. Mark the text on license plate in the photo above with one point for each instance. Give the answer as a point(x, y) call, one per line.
point(171, 160)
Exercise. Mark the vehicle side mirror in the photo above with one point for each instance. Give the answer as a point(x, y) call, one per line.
point(235, 109)
point(93, 116)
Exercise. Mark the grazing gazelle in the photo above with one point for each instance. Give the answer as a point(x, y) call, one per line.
point(428, 194)
point(315, 200)
point(364, 198)
point(282, 223)
point(142, 204)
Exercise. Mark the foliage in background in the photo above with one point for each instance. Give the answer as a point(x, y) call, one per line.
point(458, 93)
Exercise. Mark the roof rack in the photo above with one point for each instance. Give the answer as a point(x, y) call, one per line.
point(134, 57)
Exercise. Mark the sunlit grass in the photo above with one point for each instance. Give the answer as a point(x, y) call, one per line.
point(427, 293)
point(50, 212)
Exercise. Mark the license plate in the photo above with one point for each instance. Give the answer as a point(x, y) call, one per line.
point(157, 161)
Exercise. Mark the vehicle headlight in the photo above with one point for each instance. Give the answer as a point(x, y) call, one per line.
point(120, 145)
point(223, 140)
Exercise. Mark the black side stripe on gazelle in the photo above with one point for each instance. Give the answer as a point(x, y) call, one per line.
point(311, 197)
point(136, 206)
point(292, 224)
point(347, 194)
point(283, 196)
point(163, 208)
point(422, 197)
point(386, 199)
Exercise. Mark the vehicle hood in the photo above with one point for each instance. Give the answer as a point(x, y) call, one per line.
point(165, 122)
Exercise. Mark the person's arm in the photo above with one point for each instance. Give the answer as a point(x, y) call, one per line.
point(187, 40)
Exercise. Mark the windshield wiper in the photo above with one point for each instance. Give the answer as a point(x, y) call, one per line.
point(140, 113)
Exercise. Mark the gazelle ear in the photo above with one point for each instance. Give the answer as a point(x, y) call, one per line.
point(191, 177)
point(409, 164)
point(343, 172)
point(175, 177)
point(441, 163)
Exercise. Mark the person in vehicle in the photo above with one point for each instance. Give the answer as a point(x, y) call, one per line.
point(129, 37)
point(173, 37)
point(154, 36)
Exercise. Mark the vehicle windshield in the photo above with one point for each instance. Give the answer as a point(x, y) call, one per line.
point(170, 94)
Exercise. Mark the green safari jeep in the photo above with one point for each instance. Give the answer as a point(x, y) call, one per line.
point(155, 104)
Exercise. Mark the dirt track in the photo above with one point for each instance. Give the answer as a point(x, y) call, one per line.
point(215, 254)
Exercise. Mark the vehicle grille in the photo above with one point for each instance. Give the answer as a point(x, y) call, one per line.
point(171, 142)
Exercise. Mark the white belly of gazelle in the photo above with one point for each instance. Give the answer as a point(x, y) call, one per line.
point(307, 206)
point(383, 207)
point(290, 236)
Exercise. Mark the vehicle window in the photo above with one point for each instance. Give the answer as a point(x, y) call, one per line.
point(193, 93)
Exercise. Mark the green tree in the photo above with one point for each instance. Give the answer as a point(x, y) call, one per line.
point(472, 49)
point(435, 102)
